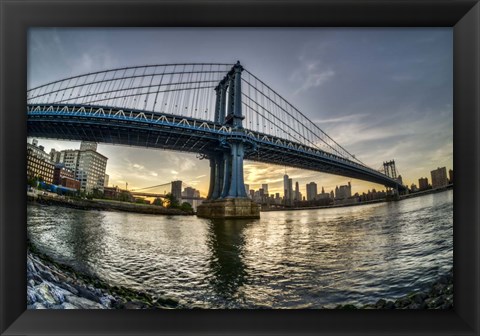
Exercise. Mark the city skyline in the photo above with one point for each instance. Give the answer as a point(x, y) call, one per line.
point(381, 93)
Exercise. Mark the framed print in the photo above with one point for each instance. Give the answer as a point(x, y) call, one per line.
point(240, 168)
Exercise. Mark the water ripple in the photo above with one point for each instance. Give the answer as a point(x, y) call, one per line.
point(296, 259)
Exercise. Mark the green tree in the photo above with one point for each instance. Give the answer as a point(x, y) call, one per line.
point(96, 193)
point(158, 201)
point(172, 201)
point(187, 207)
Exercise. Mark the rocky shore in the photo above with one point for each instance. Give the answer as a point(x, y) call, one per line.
point(438, 296)
point(54, 286)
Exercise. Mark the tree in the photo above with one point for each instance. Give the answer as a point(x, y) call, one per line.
point(172, 201)
point(158, 201)
point(187, 207)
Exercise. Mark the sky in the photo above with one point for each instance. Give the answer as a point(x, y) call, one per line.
point(382, 94)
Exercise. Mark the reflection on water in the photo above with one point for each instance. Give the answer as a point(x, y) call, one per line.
point(286, 259)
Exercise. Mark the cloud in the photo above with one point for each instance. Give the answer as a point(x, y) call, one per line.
point(311, 74)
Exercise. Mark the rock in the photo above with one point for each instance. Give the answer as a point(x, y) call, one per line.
point(108, 301)
point(135, 305)
point(419, 297)
point(82, 303)
point(68, 288)
point(434, 302)
point(68, 305)
point(389, 305)
point(85, 293)
point(48, 276)
point(402, 302)
point(31, 283)
point(36, 305)
point(380, 303)
point(60, 306)
point(31, 297)
point(165, 301)
point(349, 306)
point(58, 293)
point(31, 266)
point(413, 306)
point(44, 295)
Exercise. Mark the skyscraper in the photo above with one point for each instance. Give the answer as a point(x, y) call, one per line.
point(311, 191)
point(290, 191)
point(298, 197)
point(177, 190)
point(423, 183)
point(286, 194)
point(265, 189)
point(439, 177)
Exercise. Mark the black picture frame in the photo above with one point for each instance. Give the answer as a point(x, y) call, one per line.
point(17, 16)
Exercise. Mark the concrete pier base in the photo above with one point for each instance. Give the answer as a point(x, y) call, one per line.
point(229, 208)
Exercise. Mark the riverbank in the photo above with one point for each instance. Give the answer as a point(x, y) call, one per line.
point(106, 205)
point(51, 285)
point(382, 200)
point(438, 296)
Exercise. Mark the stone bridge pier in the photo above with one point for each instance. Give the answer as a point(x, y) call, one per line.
point(227, 197)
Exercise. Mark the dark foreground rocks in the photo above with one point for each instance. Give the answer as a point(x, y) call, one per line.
point(438, 296)
point(54, 286)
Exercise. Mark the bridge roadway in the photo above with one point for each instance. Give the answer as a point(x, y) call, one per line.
point(142, 128)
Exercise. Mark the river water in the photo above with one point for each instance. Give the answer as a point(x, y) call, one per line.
point(285, 259)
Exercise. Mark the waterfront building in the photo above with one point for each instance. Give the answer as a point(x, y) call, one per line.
point(88, 165)
point(344, 191)
point(450, 176)
point(247, 188)
point(55, 155)
point(413, 188)
point(439, 177)
point(65, 177)
point(423, 183)
point(91, 170)
point(311, 191)
point(38, 163)
point(323, 195)
point(106, 180)
point(88, 145)
point(190, 192)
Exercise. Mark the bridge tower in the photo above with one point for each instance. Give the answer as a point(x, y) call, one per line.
point(227, 197)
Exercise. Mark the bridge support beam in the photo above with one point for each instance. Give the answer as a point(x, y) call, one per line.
point(227, 197)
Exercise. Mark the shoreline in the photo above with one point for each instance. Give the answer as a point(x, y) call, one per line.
point(106, 205)
point(52, 285)
point(383, 200)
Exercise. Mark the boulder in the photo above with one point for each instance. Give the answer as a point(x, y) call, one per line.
point(82, 303)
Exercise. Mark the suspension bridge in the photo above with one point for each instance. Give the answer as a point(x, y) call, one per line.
point(222, 112)
point(161, 191)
